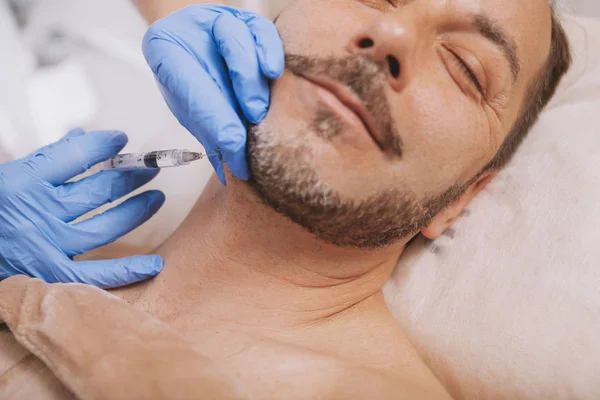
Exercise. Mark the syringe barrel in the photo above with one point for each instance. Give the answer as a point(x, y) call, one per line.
point(153, 159)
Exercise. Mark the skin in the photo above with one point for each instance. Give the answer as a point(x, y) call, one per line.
point(153, 10)
point(294, 316)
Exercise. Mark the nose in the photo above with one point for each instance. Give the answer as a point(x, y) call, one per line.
point(390, 40)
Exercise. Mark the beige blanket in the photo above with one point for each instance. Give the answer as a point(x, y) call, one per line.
point(77, 342)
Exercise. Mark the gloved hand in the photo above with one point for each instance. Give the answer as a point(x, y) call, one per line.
point(207, 60)
point(36, 206)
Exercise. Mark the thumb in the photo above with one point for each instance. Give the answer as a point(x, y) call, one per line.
point(110, 274)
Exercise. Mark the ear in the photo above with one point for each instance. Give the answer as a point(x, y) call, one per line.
point(448, 216)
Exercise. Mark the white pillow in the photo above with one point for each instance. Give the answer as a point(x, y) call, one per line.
point(506, 305)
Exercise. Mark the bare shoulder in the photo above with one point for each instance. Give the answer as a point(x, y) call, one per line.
point(284, 370)
point(23, 375)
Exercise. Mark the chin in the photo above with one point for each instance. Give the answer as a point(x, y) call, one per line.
point(286, 178)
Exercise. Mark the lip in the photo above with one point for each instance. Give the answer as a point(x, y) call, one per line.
point(348, 99)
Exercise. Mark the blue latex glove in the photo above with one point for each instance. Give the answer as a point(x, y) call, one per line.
point(36, 206)
point(207, 60)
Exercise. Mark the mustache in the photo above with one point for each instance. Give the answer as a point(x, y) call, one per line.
point(363, 76)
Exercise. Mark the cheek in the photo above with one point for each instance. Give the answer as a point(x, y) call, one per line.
point(304, 23)
point(445, 133)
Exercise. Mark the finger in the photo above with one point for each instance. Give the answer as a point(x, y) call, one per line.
point(209, 115)
point(237, 47)
point(109, 274)
point(200, 55)
point(269, 46)
point(109, 226)
point(217, 164)
point(73, 133)
point(77, 198)
point(235, 159)
point(68, 158)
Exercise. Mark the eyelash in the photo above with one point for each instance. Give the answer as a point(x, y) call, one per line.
point(468, 71)
point(377, 4)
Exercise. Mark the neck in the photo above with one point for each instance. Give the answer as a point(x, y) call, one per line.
point(236, 252)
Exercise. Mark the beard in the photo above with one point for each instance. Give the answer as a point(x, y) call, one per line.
point(284, 177)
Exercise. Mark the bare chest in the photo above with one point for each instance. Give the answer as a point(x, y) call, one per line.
point(275, 369)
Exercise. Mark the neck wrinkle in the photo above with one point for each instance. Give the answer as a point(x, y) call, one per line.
point(236, 252)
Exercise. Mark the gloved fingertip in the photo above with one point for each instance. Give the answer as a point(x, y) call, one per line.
point(221, 176)
point(272, 63)
point(262, 115)
point(257, 112)
point(241, 172)
point(235, 158)
point(155, 264)
point(140, 268)
point(155, 200)
point(275, 73)
point(143, 267)
point(73, 133)
point(118, 138)
point(217, 164)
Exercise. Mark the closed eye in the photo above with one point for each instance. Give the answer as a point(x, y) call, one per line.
point(381, 5)
point(467, 71)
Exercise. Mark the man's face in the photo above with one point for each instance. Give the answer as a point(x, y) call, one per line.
point(386, 107)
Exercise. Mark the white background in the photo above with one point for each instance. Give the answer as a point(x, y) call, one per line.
point(585, 7)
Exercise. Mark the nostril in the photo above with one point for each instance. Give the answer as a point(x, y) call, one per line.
point(394, 66)
point(365, 43)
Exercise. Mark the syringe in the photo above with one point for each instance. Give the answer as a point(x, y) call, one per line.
point(153, 159)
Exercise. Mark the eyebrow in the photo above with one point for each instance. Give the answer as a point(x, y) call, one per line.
point(490, 29)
